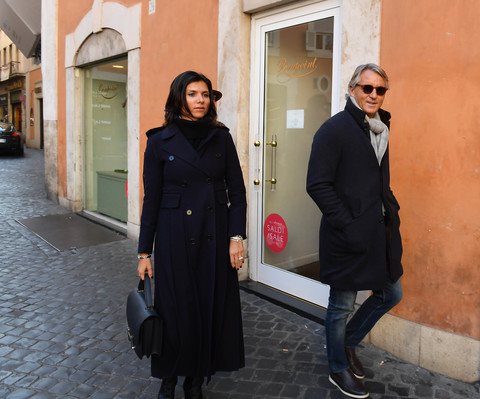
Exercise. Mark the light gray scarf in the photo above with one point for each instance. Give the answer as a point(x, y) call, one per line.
point(378, 133)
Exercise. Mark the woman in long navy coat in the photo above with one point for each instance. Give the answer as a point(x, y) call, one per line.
point(194, 220)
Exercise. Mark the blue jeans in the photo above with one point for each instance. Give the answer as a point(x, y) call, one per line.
point(341, 334)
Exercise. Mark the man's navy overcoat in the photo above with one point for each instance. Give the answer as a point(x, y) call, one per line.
point(360, 247)
point(194, 201)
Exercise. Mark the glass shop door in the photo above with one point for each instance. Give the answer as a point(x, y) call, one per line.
point(296, 71)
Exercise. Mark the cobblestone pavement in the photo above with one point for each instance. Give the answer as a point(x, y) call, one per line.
point(63, 329)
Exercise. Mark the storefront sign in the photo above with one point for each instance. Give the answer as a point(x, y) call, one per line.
point(275, 233)
point(298, 69)
point(14, 85)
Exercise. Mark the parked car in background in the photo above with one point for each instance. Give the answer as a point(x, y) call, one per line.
point(11, 139)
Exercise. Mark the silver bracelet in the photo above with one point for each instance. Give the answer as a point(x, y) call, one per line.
point(237, 238)
point(144, 256)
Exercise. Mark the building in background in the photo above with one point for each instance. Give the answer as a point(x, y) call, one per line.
point(283, 67)
point(12, 83)
point(21, 99)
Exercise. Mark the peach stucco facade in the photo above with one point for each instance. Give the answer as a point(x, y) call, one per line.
point(434, 66)
point(171, 46)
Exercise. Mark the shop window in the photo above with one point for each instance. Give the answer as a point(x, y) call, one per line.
point(105, 138)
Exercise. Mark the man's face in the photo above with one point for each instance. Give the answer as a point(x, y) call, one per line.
point(372, 102)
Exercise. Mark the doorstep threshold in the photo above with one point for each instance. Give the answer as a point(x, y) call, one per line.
point(106, 221)
point(297, 305)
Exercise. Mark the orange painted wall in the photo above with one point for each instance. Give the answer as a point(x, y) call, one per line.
point(430, 50)
point(35, 76)
point(169, 45)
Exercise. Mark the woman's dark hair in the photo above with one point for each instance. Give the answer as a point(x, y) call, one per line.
point(177, 100)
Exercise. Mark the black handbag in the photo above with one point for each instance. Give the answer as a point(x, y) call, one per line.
point(145, 327)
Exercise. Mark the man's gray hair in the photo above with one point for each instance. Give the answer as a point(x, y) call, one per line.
point(372, 67)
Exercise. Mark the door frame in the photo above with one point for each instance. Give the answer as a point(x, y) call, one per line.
point(296, 285)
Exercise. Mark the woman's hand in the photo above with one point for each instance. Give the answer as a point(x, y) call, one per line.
point(237, 256)
point(143, 266)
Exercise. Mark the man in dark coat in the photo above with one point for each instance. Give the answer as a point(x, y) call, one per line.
point(360, 244)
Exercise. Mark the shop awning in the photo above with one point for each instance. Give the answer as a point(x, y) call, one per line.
point(21, 22)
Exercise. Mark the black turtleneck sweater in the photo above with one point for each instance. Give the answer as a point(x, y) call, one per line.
point(194, 131)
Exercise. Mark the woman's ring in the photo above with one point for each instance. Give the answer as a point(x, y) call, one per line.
point(240, 257)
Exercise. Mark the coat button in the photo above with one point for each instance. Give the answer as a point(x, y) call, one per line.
point(208, 180)
point(192, 241)
point(210, 209)
point(218, 155)
point(209, 237)
point(185, 183)
point(171, 158)
point(189, 212)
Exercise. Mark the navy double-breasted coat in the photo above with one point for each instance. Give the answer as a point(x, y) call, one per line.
point(194, 201)
point(360, 246)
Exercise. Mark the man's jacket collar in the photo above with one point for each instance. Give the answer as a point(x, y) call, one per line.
point(359, 115)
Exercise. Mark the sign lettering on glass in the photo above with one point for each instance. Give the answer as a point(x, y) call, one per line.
point(107, 91)
point(297, 69)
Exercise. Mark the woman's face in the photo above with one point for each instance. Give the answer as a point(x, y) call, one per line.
point(198, 101)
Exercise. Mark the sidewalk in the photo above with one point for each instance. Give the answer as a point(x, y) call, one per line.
point(63, 328)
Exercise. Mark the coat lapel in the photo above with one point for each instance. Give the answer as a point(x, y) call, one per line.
point(177, 144)
point(201, 148)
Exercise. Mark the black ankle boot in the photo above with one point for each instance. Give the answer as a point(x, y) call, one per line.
point(193, 387)
point(167, 389)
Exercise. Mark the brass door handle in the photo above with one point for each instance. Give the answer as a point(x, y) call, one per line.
point(273, 179)
point(273, 143)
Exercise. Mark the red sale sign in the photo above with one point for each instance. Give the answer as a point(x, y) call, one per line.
point(275, 233)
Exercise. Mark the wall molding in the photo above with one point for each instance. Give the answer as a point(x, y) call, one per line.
point(119, 27)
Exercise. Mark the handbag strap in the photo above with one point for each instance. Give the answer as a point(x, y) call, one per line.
point(145, 287)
